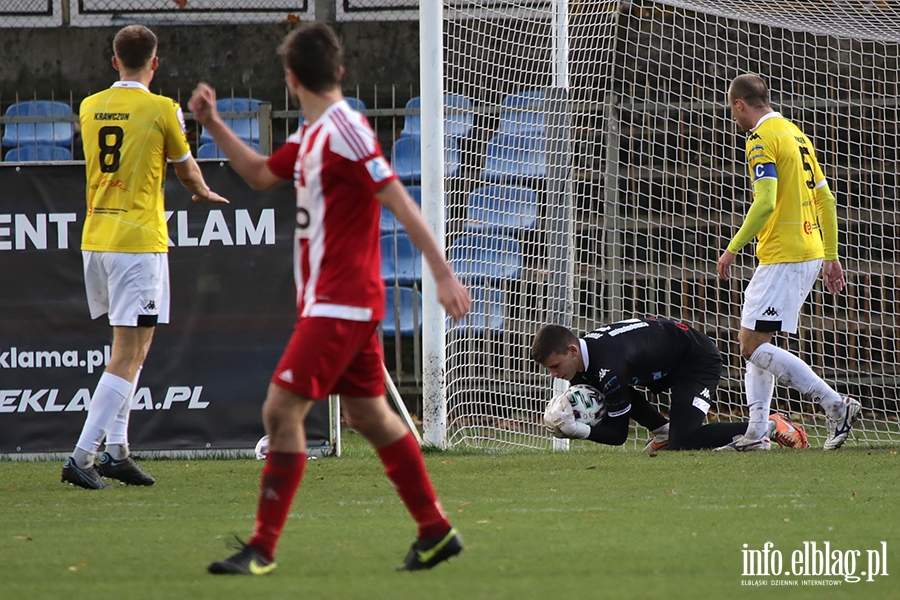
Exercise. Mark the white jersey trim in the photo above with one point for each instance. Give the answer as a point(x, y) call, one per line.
point(585, 357)
point(131, 84)
point(764, 118)
point(340, 311)
point(311, 198)
point(355, 140)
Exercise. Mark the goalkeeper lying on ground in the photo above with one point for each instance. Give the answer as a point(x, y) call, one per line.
point(659, 355)
point(566, 417)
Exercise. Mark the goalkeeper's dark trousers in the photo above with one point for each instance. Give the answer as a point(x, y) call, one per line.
point(691, 399)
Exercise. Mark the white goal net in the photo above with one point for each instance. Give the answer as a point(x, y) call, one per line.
point(603, 176)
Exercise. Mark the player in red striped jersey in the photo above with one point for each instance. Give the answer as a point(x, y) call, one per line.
point(340, 177)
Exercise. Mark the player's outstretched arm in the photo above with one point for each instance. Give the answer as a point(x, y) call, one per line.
point(250, 165)
point(451, 293)
point(190, 176)
point(611, 431)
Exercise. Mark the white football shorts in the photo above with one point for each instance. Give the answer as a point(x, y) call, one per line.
point(776, 293)
point(133, 289)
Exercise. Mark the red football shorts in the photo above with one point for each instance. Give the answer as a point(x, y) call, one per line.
point(332, 356)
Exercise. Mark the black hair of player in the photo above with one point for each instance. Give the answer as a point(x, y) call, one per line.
point(313, 53)
point(549, 340)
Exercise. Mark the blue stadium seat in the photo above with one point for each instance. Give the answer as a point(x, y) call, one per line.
point(452, 158)
point(523, 114)
point(456, 124)
point(245, 128)
point(509, 209)
point(355, 103)
point(515, 158)
point(412, 124)
point(211, 150)
point(410, 312)
point(401, 262)
point(388, 223)
point(485, 316)
point(479, 257)
point(406, 158)
point(32, 153)
point(49, 134)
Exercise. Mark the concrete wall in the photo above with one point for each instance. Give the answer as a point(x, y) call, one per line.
point(59, 60)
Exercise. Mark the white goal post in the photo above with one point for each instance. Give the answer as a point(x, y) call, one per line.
point(603, 175)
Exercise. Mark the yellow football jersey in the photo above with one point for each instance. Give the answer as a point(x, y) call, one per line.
point(127, 133)
point(777, 149)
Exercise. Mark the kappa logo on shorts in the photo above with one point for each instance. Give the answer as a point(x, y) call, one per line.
point(150, 305)
point(771, 312)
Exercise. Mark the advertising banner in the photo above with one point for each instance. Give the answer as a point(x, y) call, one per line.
point(206, 376)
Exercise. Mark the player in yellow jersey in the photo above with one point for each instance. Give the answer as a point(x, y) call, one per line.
point(128, 134)
point(794, 219)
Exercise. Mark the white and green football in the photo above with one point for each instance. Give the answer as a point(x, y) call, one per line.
point(587, 404)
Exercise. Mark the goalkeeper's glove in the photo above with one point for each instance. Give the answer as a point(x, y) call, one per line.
point(560, 420)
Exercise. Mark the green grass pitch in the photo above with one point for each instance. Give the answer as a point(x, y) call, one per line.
point(589, 523)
